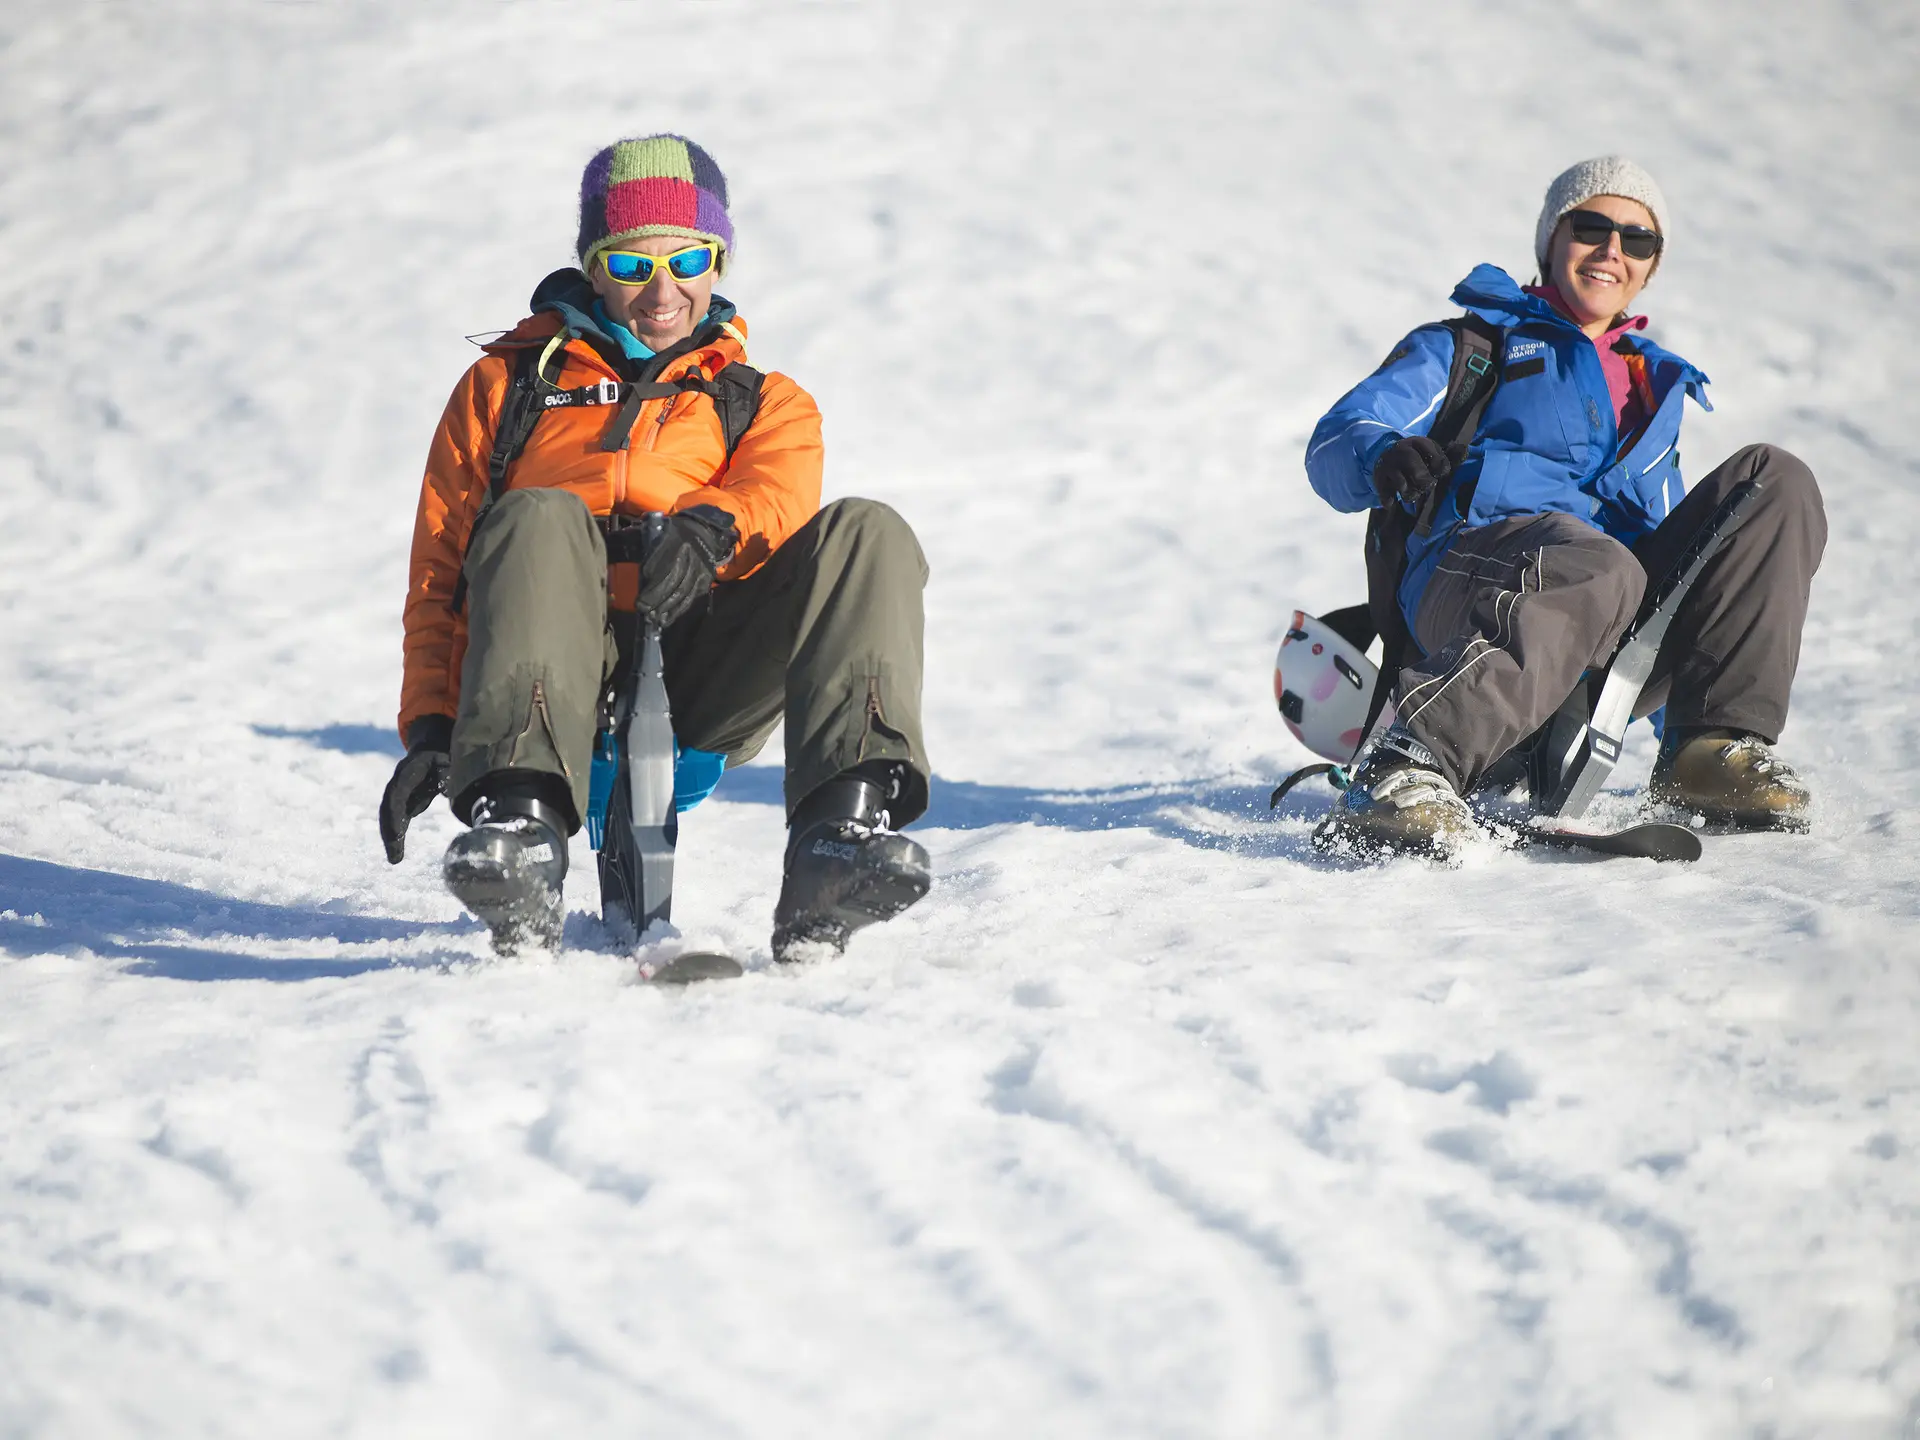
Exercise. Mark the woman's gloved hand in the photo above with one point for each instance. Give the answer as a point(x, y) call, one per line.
point(420, 775)
point(1411, 469)
point(692, 547)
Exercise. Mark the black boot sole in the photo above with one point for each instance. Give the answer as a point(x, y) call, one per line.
point(877, 887)
point(512, 901)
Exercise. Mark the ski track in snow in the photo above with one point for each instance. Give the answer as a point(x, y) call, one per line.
point(1149, 1121)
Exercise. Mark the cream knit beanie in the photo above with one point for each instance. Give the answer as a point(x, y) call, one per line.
point(1605, 175)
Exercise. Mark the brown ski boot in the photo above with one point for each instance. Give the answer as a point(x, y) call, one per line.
point(1730, 777)
point(1399, 804)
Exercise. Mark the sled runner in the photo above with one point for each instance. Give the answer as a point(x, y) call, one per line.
point(632, 820)
point(1569, 758)
point(1649, 840)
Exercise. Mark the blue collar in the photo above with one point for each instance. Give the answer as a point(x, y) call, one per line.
point(628, 341)
point(1490, 292)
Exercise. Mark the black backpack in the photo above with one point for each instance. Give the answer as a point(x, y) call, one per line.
point(1471, 381)
point(734, 390)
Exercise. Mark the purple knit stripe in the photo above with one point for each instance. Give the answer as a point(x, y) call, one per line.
point(593, 182)
point(593, 200)
point(713, 218)
point(706, 174)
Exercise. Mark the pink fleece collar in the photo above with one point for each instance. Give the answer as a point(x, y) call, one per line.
point(1551, 294)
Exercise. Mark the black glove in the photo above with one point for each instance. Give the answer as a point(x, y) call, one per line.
point(416, 780)
point(1411, 468)
point(692, 546)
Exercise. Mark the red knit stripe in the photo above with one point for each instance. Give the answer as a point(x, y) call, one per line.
point(660, 201)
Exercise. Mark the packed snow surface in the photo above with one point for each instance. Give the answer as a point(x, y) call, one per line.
point(1150, 1121)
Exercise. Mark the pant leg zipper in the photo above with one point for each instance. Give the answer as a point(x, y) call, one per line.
point(546, 719)
point(876, 711)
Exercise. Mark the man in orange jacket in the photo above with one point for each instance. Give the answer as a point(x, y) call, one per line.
point(626, 392)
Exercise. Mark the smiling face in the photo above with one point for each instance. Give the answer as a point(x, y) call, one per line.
point(664, 311)
point(1599, 282)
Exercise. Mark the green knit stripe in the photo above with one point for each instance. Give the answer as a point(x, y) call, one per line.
point(662, 157)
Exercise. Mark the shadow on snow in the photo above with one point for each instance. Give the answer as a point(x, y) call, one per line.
point(347, 739)
point(155, 923)
point(1209, 816)
point(1206, 815)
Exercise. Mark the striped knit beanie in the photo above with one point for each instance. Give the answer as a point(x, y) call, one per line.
point(654, 185)
point(1577, 184)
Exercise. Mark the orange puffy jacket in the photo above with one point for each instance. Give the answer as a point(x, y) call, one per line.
point(677, 458)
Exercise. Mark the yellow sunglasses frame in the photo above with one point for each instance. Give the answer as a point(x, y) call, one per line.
point(661, 262)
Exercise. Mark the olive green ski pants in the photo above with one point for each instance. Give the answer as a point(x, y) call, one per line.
point(828, 631)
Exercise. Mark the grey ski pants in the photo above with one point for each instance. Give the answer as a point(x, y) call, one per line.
point(828, 631)
point(1519, 609)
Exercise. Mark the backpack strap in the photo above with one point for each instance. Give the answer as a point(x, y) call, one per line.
point(519, 413)
point(630, 395)
point(734, 390)
point(1471, 381)
point(736, 395)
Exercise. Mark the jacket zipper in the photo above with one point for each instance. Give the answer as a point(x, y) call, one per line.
point(660, 421)
point(653, 429)
point(667, 406)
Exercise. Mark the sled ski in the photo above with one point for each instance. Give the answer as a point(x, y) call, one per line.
point(1651, 840)
point(691, 967)
point(636, 858)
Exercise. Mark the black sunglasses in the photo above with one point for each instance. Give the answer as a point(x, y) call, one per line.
point(1590, 227)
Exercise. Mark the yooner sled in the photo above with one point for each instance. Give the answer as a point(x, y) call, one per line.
point(1335, 700)
point(631, 818)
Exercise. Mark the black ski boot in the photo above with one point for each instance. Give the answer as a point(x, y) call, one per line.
point(845, 868)
point(509, 867)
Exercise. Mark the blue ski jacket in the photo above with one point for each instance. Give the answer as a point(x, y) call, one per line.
point(1547, 441)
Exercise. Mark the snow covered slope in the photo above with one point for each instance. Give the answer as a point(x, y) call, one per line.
point(1149, 1122)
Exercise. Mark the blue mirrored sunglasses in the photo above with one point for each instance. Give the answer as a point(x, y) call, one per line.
point(629, 267)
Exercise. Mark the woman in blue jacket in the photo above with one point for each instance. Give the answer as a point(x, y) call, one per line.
point(1551, 523)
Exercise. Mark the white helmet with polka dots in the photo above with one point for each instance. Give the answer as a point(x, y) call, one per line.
point(1323, 684)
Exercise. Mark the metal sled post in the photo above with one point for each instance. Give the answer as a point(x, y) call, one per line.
point(1577, 751)
point(636, 864)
